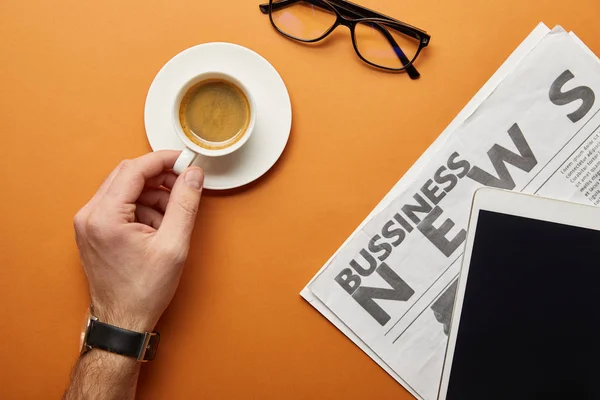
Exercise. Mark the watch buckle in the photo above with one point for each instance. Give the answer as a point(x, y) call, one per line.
point(142, 354)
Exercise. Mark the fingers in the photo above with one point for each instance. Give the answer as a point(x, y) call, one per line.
point(148, 216)
point(166, 179)
point(180, 216)
point(131, 175)
point(155, 198)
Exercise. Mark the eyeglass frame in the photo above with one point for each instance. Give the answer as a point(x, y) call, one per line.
point(355, 15)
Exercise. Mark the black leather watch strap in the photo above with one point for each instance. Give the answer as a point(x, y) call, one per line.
point(122, 341)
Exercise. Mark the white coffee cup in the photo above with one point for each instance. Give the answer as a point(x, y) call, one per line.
point(212, 149)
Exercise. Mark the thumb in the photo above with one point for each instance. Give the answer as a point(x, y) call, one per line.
point(180, 215)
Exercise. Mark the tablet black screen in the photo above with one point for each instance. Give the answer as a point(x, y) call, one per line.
point(530, 322)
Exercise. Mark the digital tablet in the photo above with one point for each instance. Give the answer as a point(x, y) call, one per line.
point(526, 319)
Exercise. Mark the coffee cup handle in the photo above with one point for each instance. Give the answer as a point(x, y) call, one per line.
point(186, 158)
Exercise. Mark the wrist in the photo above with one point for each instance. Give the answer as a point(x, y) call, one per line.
point(122, 319)
point(119, 333)
point(108, 358)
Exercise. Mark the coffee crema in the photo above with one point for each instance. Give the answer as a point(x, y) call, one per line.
point(214, 113)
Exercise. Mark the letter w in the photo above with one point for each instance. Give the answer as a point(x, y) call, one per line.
point(400, 292)
point(499, 156)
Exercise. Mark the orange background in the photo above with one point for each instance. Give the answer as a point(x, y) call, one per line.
point(74, 76)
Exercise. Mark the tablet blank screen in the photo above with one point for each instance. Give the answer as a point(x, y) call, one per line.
point(530, 322)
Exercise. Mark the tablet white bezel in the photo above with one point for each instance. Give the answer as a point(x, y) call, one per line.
point(518, 204)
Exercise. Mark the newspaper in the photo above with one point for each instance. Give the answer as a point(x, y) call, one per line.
point(534, 127)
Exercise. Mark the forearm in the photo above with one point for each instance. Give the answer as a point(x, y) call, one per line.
point(102, 375)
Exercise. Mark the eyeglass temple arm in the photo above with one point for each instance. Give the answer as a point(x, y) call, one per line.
point(410, 69)
point(368, 13)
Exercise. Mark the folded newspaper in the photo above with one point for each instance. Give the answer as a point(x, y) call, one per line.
point(533, 127)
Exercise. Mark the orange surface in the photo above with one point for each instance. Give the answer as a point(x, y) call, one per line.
point(74, 76)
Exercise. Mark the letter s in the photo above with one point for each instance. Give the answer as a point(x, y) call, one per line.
point(389, 233)
point(374, 247)
point(440, 179)
point(561, 98)
point(461, 164)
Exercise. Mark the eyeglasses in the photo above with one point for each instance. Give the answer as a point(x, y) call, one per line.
point(378, 40)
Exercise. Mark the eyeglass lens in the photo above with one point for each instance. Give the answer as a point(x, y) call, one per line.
point(377, 42)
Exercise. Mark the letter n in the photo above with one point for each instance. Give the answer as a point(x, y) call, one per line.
point(366, 296)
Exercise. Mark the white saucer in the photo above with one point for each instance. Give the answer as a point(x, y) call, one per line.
point(273, 111)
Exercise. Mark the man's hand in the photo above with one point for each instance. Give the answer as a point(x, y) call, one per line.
point(133, 238)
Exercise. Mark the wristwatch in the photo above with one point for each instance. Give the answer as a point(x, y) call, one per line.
point(96, 334)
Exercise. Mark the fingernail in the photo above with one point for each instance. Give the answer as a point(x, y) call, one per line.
point(194, 177)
